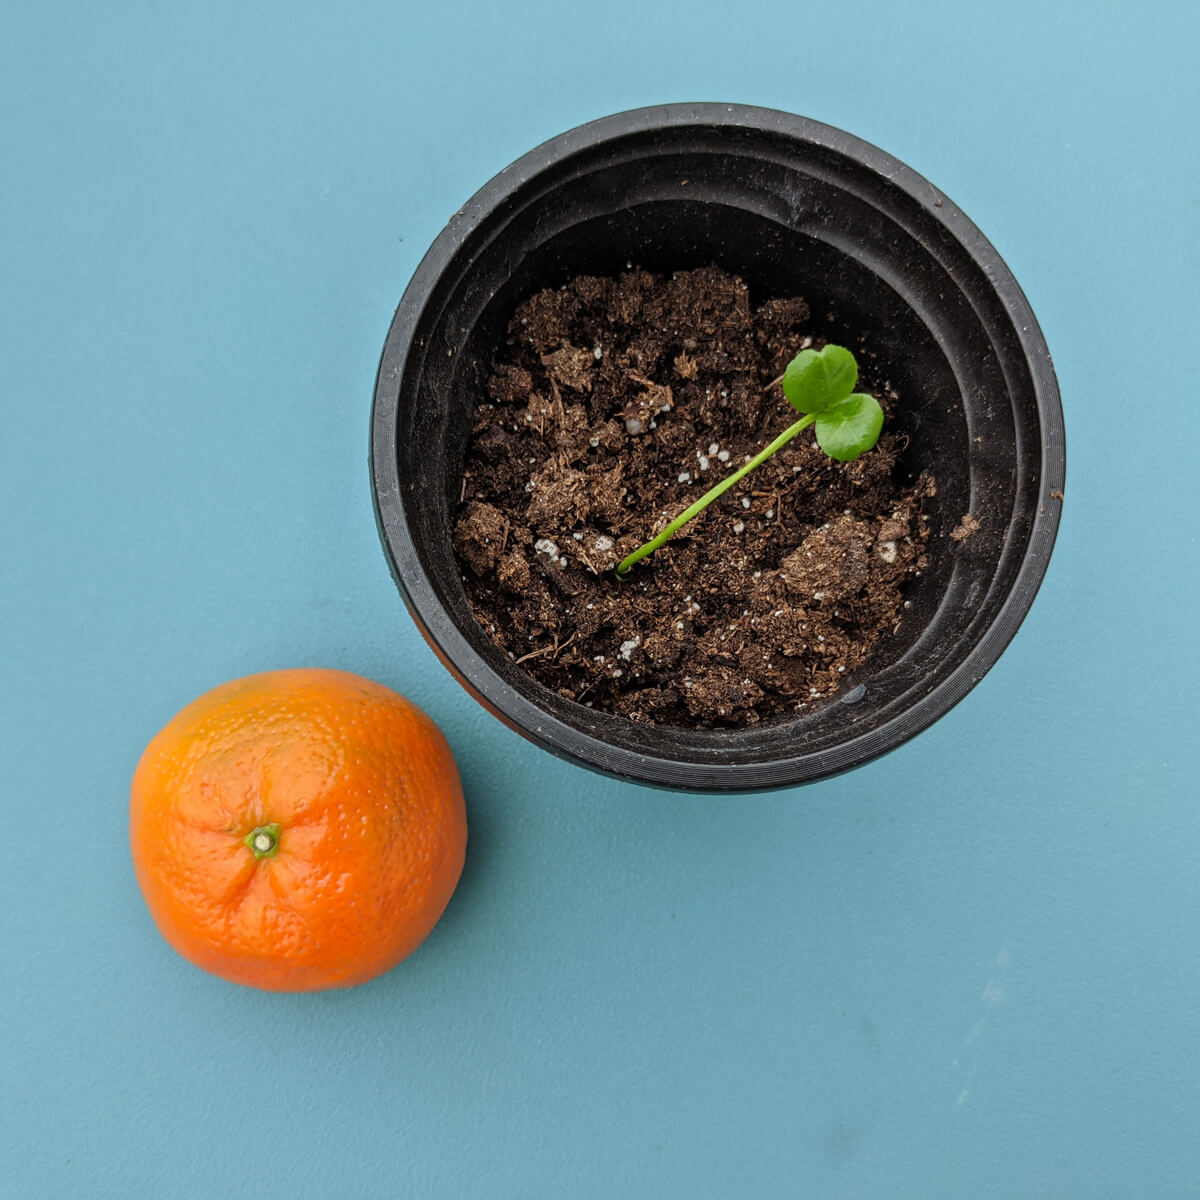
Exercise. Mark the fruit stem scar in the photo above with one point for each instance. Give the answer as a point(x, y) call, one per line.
point(263, 841)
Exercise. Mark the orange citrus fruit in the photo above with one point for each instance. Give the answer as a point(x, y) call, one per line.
point(297, 830)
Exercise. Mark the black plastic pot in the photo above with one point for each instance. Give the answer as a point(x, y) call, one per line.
point(794, 207)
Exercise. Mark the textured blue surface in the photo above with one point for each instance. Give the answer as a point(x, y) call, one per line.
point(971, 969)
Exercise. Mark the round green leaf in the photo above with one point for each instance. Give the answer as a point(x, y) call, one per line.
point(816, 380)
point(850, 428)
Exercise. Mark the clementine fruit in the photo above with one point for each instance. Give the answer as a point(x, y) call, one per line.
point(297, 830)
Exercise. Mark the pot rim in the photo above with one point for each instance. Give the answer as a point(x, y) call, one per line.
point(572, 743)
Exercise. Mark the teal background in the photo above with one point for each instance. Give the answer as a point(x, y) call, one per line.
point(971, 969)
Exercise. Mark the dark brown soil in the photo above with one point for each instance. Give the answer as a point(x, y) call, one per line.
point(615, 404)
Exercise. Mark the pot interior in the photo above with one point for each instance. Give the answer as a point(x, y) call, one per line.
point(881, 273)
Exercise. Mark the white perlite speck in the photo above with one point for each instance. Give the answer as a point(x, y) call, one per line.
point(723, 455)
point(627, 648)
point(604, 542)
point(739, 527)
point(597, 354)
point(546, 546)
point(684, 477)
point(887, 551)
point(633, 425)
point(714, 447)
point(745, 501)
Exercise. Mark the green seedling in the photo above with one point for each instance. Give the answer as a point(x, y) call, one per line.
point(819, 384)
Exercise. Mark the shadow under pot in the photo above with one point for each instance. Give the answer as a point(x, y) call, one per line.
point(792, 207)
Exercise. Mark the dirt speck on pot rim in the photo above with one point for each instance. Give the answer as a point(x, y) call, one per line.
point(615, 404)
point(970, 524)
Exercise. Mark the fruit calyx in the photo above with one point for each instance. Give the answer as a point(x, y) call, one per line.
point(263, 841)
